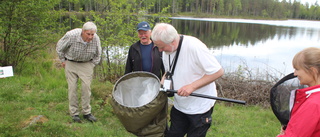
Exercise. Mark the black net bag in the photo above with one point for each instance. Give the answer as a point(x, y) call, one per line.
point(282, 97)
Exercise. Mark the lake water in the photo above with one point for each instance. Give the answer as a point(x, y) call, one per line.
point(258, 46)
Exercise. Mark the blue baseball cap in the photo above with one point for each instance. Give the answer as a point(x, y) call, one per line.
point(143, 26)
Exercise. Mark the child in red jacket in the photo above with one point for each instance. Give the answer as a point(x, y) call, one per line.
point(305, 114)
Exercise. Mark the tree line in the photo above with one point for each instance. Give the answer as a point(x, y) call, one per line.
point(29, 28)
point(283, 9)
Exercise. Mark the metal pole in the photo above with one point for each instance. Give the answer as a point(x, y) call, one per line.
point(206, 96)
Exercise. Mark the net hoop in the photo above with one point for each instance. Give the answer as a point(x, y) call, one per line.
point(282, 95)
point(136, 117)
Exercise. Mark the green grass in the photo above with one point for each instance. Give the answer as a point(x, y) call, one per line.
point(43, 91)
point(243, 121)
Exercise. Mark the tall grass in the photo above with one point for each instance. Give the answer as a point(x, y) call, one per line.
point(41, 90)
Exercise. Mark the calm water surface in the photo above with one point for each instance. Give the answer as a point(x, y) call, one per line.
point(258, 46)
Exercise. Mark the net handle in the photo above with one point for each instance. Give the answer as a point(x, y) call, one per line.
point(208, 97)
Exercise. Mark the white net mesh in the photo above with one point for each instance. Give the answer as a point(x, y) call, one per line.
point(136, 91)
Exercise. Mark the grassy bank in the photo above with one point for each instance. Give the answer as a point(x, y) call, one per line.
point(35, 103)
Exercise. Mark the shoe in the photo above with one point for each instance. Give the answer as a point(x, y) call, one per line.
point(76, 118)
point(90, 117)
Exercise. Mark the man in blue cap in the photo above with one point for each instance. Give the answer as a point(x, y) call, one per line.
point(143, 55)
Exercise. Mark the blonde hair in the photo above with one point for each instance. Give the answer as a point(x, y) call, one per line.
point(307, 58)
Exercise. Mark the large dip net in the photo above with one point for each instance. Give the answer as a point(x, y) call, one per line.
point(139, 105)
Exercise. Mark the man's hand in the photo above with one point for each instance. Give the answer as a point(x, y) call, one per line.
point(186, 90)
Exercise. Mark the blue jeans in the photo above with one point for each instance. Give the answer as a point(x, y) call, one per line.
point(195, 125)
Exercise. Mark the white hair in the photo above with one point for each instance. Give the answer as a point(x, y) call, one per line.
point(89, 26)
point(164, 32)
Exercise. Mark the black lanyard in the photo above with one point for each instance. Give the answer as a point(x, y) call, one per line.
point(175, 58)
point(170, 65)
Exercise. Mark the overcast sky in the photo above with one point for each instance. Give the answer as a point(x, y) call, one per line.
point(310, 1)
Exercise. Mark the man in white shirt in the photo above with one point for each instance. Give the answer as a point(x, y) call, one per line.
point(191, 68)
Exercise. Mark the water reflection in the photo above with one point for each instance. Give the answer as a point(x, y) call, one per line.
point(260, 46)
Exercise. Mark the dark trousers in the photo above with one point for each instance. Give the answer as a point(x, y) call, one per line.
point(193, 125)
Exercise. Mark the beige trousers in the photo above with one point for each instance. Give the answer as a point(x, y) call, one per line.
point(84, 72)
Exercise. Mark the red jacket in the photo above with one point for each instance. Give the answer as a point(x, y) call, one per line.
point(305, 115)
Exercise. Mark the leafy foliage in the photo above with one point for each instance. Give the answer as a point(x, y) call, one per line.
point(116, 22)
point(24, 29)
